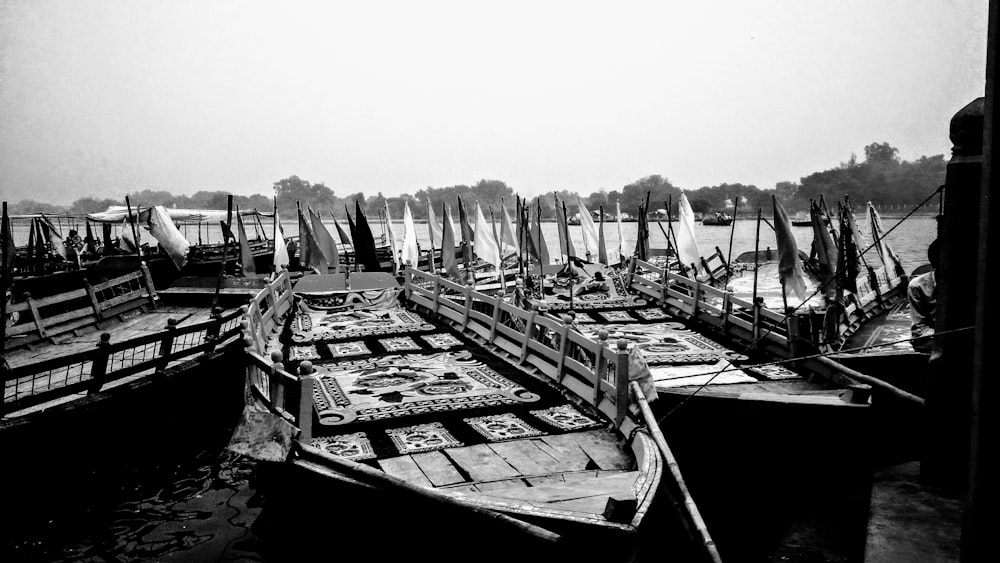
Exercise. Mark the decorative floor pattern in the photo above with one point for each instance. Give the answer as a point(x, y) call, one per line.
point(398, 344)
point(355, 446)
point(441, 341)
point(565, 417)
point(773, 372)
point(347, 349)
point(616, 316)
point(399, 385)
point(500, 427)
point(319, 326)
point(652, 314)
point(298, 353)
point(422, 438)
point(675, 354)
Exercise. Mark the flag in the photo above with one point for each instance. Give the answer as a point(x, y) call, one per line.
point(168, 237)
point(882, 247)
point(539, 239)
point(90, 240)
point(410, 250)
point(530, 249)
point(507, 231)
point(391, 234)
point(570, 247)
point(847, 259)
point(590, 235)
point(561, 227)
point(687, 245)
point(789, 270)
point(54, 238)
point(280, 260)
point(125, 240)
point(468, 233)
point(345, 237)
point(106, 235)
point(246, 255)
point(324, 239)
point(621, 235)
point(824, 249)
point(310, 254)
point(602, 246)
point(437, 235)
point(364, 242)
point(642, 234)
point(350, 225)
point(485, 246)
point(448, 261)
point(9, 249)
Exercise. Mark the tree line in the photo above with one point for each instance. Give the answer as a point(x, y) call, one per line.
point(881, 178)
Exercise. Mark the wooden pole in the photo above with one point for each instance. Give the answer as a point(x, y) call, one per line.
point(225, 251)
point(732, 233)
point(3, 284)
point(274, 234)
point(686, 502)
point(756, 252)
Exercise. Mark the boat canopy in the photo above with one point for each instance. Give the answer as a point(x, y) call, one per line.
point(117, 213)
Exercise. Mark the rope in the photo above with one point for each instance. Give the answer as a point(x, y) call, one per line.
point(729, 365)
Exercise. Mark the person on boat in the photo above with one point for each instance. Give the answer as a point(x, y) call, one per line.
point(921, 293)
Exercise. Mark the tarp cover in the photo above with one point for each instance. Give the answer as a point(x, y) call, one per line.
point(117, 213)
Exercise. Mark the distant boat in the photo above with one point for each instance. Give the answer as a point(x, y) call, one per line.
point(720, 219)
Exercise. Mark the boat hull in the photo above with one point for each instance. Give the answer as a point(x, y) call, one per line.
point(83, 453)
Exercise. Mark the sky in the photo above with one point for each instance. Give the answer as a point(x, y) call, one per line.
point(105, 97)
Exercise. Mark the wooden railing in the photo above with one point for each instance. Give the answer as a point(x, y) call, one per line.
point(90, 370)
point(283, 393)
point(752, 325)
point(592, 370)
point(50, 316)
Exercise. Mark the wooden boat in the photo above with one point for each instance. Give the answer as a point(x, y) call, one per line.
point(101, 377)
point(739, 376)
point(718, 219)
point(47, 274)
point(459, 425)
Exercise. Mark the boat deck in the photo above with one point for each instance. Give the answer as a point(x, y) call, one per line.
point(682, 361)
point(423, 403)
point(129, 325)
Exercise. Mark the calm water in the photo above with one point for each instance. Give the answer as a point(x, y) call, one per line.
point(202, 508)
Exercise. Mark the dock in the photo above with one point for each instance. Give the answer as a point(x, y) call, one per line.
point(910, 521)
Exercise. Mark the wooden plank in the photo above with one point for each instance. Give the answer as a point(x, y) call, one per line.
point(406, 469)
point(526, 457)
point(602, 485)
point(481, 463)
point(592, 505)
point(438, 468)
point(564, 449)
point(603, 449)
point(506, 484)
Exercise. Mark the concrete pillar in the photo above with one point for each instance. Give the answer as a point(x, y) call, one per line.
point(945, 459)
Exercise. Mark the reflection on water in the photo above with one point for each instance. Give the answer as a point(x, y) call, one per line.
point(200, 510)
